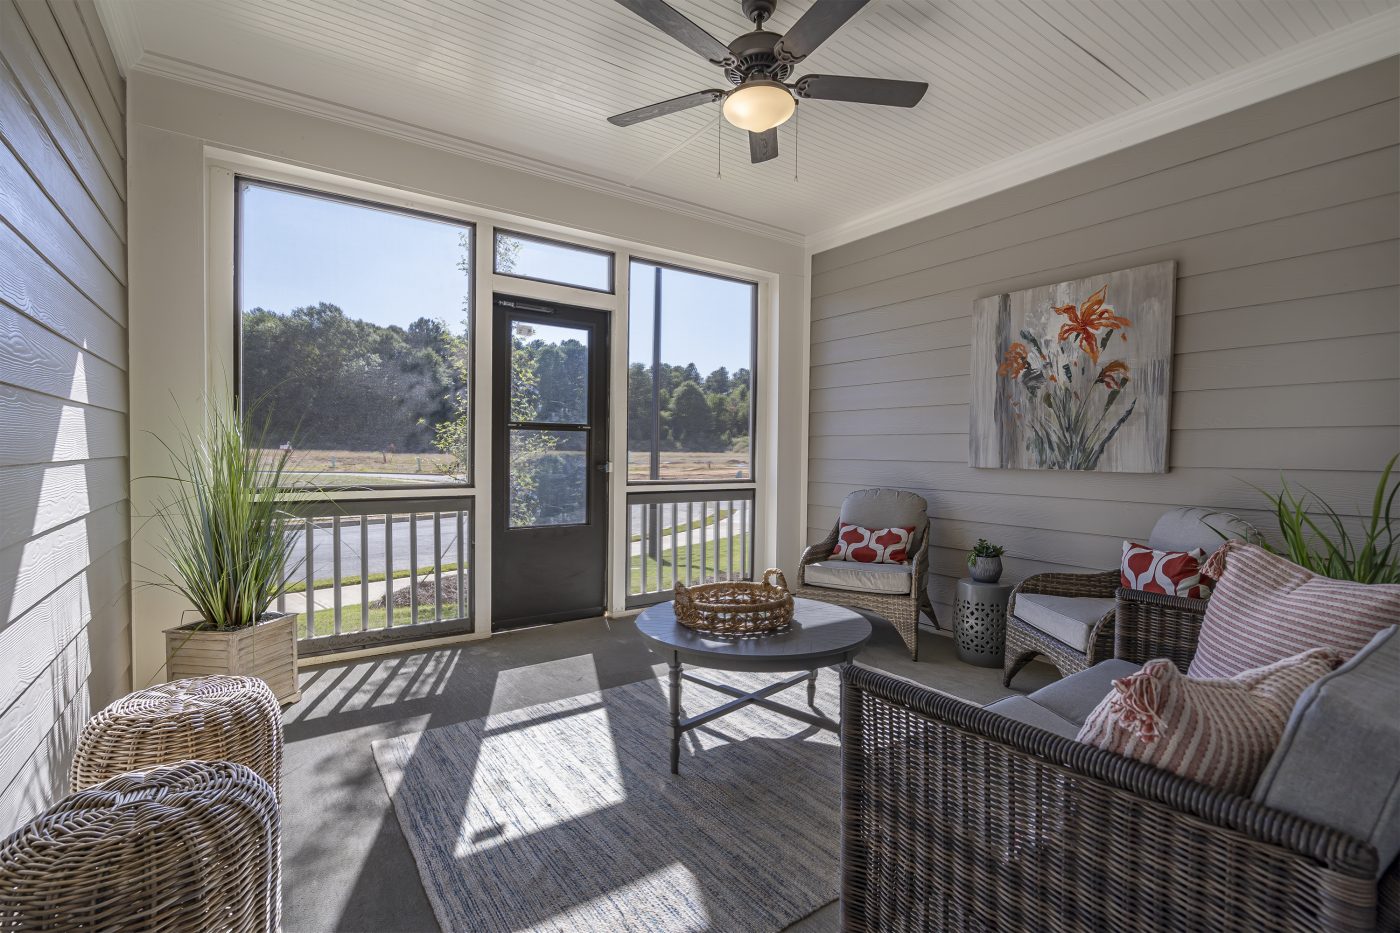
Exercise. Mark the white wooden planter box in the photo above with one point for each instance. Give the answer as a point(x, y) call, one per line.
point(267, 650)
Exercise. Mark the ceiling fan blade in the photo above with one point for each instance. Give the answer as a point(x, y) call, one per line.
point(814, 27)
point(674, 105)
point(672, 22)
point(860, 90)
point(763, 146)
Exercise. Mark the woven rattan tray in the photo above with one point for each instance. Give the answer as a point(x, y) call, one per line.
point(736, 608)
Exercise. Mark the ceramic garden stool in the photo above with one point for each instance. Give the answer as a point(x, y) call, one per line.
point(192, 846)
point(216, 718)
point(979, 621)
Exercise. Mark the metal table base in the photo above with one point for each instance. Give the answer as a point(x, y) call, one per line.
point(683, 724)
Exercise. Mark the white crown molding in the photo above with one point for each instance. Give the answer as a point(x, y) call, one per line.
point(118, 19)
point(1351, 47)
point(176, 69)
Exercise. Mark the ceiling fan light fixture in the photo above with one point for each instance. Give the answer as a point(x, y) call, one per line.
point(758, 105)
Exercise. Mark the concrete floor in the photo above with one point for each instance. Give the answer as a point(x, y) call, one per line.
point(346, 865)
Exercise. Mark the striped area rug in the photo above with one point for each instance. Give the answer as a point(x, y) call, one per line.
point(564, 816)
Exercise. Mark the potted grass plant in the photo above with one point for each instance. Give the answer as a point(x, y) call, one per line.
point(1324, 544)
point(226, 546)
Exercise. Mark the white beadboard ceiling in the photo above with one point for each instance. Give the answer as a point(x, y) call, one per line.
point(537, 78)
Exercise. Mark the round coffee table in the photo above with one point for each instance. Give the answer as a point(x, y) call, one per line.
point(821, 635)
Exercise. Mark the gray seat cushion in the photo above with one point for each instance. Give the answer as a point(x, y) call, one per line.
point(1339, 761)
point(1068, 618)
point(1186, 529)
point(1026, 710)
point(886, 508)
point(1074, 697)
point(862, 578)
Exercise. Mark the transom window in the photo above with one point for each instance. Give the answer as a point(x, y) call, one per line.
point(355, 327)
point(690, 376)
point(543, 260)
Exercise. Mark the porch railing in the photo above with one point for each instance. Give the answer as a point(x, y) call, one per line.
point(366, 572)
point(697, 536)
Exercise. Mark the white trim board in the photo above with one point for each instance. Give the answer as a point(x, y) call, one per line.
point(1348, 48)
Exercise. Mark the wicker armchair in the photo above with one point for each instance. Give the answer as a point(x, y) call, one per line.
point(1181, 529)
point(879, 508)
point(957, 818)
point(1025, 641)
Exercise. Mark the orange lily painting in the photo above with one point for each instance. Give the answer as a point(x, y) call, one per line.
point(1075, 376)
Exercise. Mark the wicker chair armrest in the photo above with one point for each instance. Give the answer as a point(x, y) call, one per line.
point(815, 552)
point(921, 555)
point(896, 736)
point(1095, 585)
point(1153, 625)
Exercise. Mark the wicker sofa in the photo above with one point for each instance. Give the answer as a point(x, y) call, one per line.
point(956, 817)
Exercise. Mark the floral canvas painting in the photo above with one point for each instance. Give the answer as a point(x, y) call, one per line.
point(1075, 376)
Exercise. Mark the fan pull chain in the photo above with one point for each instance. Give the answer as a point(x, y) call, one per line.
point(719, 143)
point(796, 129)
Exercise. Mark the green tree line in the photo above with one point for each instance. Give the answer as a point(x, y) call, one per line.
point(326, 380)
point(700, 414)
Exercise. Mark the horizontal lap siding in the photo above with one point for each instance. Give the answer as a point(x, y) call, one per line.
point(1284, 220)
point(64, 525)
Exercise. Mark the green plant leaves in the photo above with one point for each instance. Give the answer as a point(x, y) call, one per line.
point(1327, 547)
point(225, 527)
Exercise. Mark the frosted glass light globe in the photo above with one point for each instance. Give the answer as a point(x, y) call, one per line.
point(759, 105)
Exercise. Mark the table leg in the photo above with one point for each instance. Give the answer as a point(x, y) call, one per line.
point(812, 688)
point(675, 712)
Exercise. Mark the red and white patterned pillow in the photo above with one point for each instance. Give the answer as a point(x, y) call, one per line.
point(1264, 608)
point(1220, 733)
point(1171, 573)
point(872, 545)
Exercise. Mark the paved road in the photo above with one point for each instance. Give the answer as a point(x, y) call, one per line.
point(350, 559)
point(323, 551)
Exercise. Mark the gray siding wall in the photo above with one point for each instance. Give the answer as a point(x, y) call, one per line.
point(64, 571)
point(1283, 219)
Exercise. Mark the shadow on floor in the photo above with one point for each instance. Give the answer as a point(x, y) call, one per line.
point(346, 865)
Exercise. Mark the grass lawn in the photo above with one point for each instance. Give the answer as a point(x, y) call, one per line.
point(709, 520)
point(687, 562)
point(683, 561)
point(378, 618)
point(321, 584)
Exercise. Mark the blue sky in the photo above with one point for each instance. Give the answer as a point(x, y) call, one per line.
point(393, 268)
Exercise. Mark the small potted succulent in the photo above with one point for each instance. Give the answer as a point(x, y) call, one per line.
point(984, 561)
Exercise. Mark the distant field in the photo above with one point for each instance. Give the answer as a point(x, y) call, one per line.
point(428, 465)
point(683, 467)
point(676, 466)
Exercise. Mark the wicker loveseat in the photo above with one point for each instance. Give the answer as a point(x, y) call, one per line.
point(902, 589)
point(955, 817)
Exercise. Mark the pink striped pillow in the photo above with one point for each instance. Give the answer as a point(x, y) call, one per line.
point(1220, 733)
point(1265, 608)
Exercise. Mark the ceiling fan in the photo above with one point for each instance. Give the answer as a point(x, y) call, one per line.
point(759, 63)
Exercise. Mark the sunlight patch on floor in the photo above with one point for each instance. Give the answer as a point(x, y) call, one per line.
point(565, 677)
point(549, 790)
point(676, 877)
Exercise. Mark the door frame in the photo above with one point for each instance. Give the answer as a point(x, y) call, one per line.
point(598, 497)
